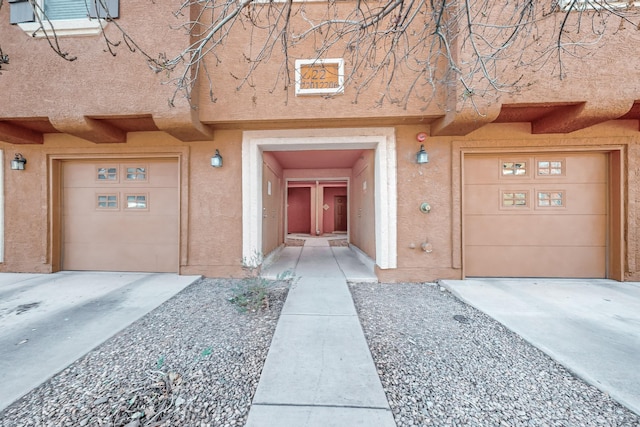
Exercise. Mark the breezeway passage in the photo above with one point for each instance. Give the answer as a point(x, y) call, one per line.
point(319, 371)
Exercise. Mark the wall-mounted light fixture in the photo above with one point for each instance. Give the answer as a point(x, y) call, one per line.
point(18, 162)
point(422, 156)
point(216, 160)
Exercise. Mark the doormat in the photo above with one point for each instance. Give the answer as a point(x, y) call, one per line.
point(294, 242)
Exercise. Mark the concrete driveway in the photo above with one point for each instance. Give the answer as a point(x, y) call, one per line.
point(47, 321)
point(592, 327)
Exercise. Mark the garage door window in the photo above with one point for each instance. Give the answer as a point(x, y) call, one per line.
point(550, 167)
point(137, 173)
point(137, 201)
point(511, 168)
point(514, 199)
point(107, 174)
point(551, 199)
point(107, 201)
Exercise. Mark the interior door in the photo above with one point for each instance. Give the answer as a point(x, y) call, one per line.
point(340, 213)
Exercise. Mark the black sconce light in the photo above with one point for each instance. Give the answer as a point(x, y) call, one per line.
point(18, 162)
point(216, 160)
point(422, 156)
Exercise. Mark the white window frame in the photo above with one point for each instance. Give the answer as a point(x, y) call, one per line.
point(326, 91)
point(63, 27)
point(582, 5)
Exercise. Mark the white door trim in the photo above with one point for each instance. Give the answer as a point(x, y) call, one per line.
point(382, 140)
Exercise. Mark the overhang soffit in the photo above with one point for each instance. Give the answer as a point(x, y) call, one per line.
point(97, 129)
point(88, 128)
point(184, 129)
point(568, 116)
point(15, 132)
point(580, 116)
point(464, 121)
point(633, 113)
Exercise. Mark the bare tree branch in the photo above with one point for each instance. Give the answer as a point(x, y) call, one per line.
point(406, 48)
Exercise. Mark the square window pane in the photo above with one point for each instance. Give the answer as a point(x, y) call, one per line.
point(550, 167)
point(107, 201)
point(551, 198)
point(514, 168)
point(107, 174)
point(514, 199)
point(136, 202)
point(136, 173)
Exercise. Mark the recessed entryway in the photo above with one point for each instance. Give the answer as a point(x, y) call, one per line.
point(379, 183)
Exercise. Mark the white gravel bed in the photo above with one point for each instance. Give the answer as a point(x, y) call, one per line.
point(194, 361)
point(472, 371)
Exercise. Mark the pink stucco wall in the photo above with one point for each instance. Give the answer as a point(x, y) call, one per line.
point(585, 110)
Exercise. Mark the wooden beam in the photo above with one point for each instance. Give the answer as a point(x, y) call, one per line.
point(94, 130)
point(19, 135)
point(575, 117)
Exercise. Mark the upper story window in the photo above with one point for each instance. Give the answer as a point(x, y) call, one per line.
point(66, 17)
point(64, 9)
point(595, 5)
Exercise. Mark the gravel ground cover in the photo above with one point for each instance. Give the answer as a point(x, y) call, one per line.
point(194, 361)
point(444, 363)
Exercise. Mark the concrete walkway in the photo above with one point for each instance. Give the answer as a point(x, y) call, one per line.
point(319, 371)
point(47, 321)
point(592, 327)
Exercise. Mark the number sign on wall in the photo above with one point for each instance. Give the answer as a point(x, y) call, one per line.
point(319, 76)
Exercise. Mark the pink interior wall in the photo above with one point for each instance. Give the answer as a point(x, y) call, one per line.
point(299, 210)
point(329, 200)
point(313, 174)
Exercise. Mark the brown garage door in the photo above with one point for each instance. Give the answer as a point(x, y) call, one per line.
point(535, 215)
point(120, 216)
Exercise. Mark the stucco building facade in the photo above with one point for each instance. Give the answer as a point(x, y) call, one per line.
point(539, 181)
